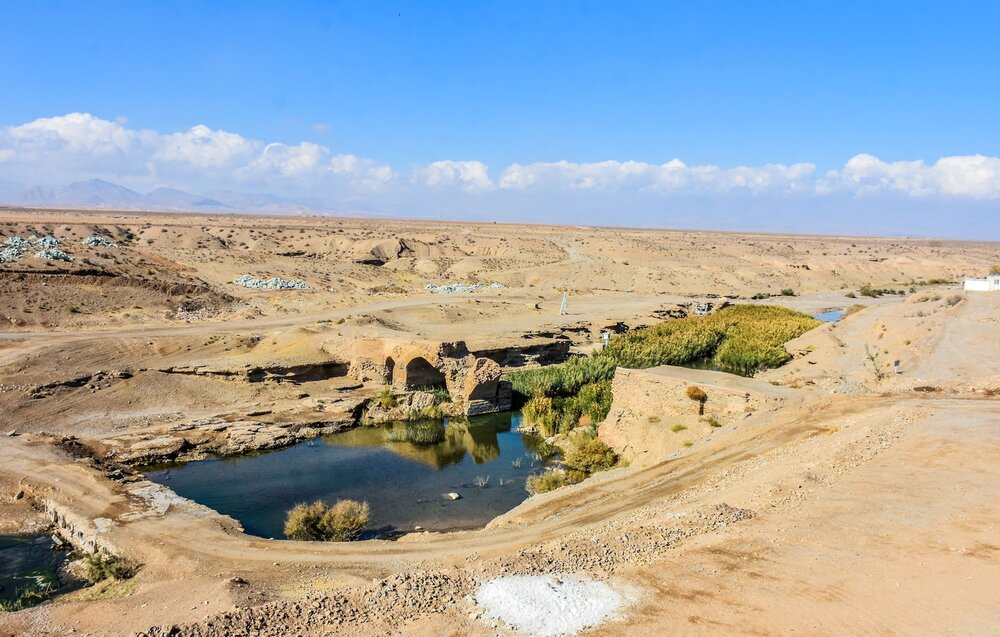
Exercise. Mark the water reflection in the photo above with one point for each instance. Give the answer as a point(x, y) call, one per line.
point(403, 481)
point(476, 438)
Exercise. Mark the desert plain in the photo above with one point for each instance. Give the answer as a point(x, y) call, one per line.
point(839, 493)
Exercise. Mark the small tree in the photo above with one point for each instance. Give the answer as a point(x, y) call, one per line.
point(698, 395)
point(874, 358)
point(317, 522)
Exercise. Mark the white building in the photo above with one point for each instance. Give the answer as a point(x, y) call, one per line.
point(989, 284)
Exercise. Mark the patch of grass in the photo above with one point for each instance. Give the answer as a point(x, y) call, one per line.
point(687, 443)
point(106, 590)
point(854, 309)
point(713, 421)
point(386, 397)
point(104, 566)
point(591, 456)
point(653, 420)
point(995, 269)
point(678, 428)
point(440, 394)
point(28, 597)
point(553, 479)
point(317, 522)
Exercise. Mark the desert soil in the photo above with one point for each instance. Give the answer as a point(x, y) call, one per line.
point(867, 502)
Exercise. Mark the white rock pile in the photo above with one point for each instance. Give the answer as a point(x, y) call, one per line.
point(548, 605)
point(9, 255)
point(99, 242)
point(453, 288)
point(15, 247)
point(274, 283)
point(53, 254)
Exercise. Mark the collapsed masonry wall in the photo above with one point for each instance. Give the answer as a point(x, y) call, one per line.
point(408, 365)
point(77, 530)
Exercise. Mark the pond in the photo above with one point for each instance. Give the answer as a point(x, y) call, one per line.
point(403, 482)
point(28, 564)
point(831, 316)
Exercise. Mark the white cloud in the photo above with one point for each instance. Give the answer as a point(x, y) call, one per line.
point(673, 176)
point(471, 176)
point(76, 140)
point(82, 146)
point(969, 176)
point(202, 147)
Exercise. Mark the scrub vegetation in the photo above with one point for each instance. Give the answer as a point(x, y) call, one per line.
point(318, 522)
point(741, 339)
point(553, 479)
point(105, 566)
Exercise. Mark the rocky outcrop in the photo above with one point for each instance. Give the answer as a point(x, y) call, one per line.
point(652, 414)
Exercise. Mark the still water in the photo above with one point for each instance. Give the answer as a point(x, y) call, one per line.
point(28, 563)
point(831, 316)
point(403, 482)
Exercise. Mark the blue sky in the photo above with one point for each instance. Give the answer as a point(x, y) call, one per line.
point(487, 85)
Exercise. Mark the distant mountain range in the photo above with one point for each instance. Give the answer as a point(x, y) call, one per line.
point(97, 193)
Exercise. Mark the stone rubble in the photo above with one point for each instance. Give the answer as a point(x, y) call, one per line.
point(99, 242)
point(452, 288)
point(274, 283)
point(15, 247)
point(9, 255)
point(53, 254)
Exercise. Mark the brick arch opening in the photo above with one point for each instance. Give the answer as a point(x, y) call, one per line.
point(390, 370)
point(420, 374)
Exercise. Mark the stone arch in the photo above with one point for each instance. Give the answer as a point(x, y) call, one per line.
point(390, 369)
point(421, 374)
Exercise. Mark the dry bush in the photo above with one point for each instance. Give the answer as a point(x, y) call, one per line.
point(592, 455)
point(553, 479)
point(102, 566)
point(317, 522)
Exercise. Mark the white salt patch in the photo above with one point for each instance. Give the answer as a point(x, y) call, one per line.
point(548, 605)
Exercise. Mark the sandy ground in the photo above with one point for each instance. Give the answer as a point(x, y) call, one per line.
point(868, 504)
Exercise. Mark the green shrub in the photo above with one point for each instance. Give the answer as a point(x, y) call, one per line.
point(678, 428)
point(787, 292)
point(101, 566)
point(539, 414)
point(713, 421)
point(592, 455)
point(995, 269)
point(386, 397)
point(553, 479)
point(317, 522)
